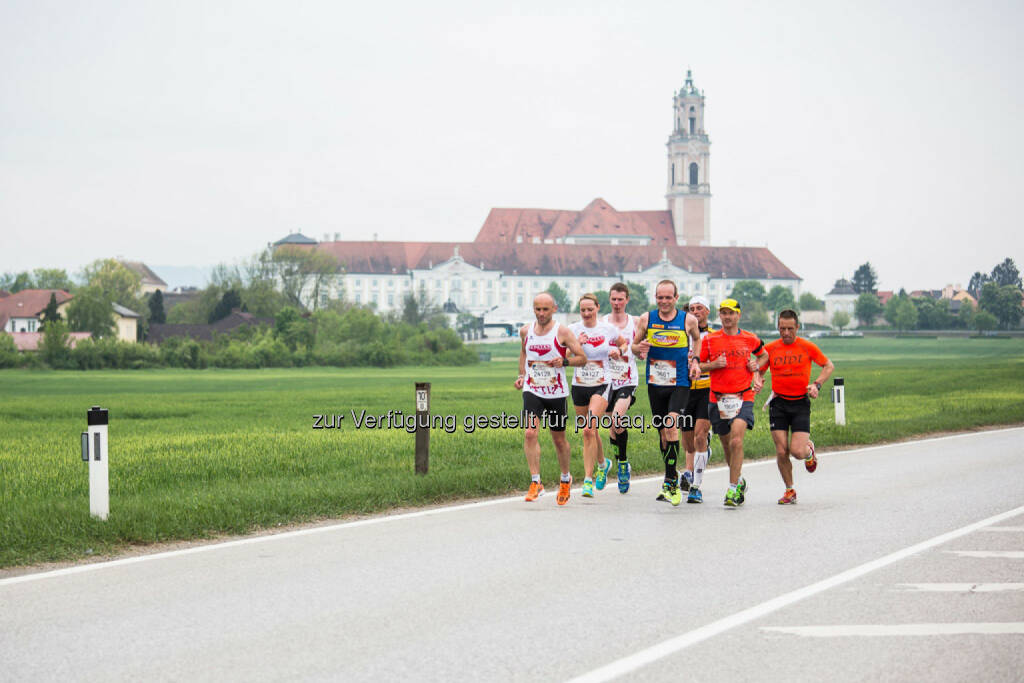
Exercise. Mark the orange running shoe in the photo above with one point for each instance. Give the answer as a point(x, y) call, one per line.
point(535, 492)
point(811, 462)
point(563, 492)
point(788, 498)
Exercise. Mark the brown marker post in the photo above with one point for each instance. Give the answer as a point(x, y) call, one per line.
point(422, 427)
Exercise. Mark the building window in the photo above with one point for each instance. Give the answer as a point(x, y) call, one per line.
point(391, 284)
point(519, 284)
point(490, 284)
point(391, 299)
point(693, 125)
point(693, 174)
point(519, 300)
point(504, 284)
point(374, 282)
point(358, 283)
point(673, 174)
point(359, 298)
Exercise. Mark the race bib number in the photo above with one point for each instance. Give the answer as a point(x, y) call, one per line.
point(619, 370)
point(591, 374)
point(729, 405)
point(663, 373)
point(542, 374)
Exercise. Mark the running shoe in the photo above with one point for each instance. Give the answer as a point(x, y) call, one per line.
point(788, 498)
point(623, 476)
point(663, 496)
point(588, 488)
point(675, 496)
point(686, 480)
point(739, 496)
point(730, 498)
point(535, 492)
point(811, 462)
point(742, 486)
point(601, 476)
point(695, 495)
point(563, 492)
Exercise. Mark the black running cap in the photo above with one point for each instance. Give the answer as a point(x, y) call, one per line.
point(97, 416)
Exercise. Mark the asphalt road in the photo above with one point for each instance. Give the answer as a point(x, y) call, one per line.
point(899, 562)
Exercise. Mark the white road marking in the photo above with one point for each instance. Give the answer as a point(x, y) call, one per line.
point(887, 630)
point(95, 566)
point(671, 646)
point(1000, 554)
point(1005, 528)
point(962, 587)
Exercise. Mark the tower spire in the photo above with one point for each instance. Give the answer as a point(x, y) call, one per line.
point(689, 188)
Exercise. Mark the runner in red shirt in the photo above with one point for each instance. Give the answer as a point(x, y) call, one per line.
point(789, 407)
point(726, 354)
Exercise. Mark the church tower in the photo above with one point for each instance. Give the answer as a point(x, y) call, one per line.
point(689, 189)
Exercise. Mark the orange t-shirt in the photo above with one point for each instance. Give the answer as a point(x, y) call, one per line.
point(790, 365)
point(734, 378)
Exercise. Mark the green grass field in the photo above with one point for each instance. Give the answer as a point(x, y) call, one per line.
point(203, 453)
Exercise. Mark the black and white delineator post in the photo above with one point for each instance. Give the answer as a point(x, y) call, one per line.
point(94, 451)
point(839, 398)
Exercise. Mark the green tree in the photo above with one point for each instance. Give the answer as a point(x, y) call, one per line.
point(809, 302)
point(867, 307)
point(965, 316)
point(779, 298)
point(54, 346)
point(840, 319)
point(16, 282)
point(901, 312)
point(1002, 302)
point(157, 315)
point(50, 313)
point(418, 308)
point(755, 316)
point(604, 301)
point(985, 321)
point(118, 284)
point(977, 282)
point(748, 292)
point(52, 278)
point(560, 296)
point(865, 279)
point(91, 311)
point(1006, 273)
point(302, 271)
point(933, 314)
point(229, 301)
point(639, 300)
point(9, 354)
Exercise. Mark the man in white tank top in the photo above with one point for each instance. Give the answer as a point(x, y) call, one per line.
point(542, 361)
point(623, 389)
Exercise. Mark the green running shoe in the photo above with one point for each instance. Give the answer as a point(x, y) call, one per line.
point(601, 476)
point(663, 496)
point(675, 496)
point(730, 498)
point(742, 487)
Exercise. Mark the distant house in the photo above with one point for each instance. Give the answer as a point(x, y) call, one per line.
point(158, 333)
point(843, 298)
point(150, 281)
point(21, 312)
point(126, 322)
point(884, 296)
point(30, 341)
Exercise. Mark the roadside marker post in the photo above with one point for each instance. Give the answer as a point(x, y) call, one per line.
point(422, 427)
point(839, 398)
point(94, 452)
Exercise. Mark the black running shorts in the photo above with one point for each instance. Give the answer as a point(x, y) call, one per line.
point(620, 393)
point(581, 395)
point(696, 408)
point(665, 400)
point(551, 411)
point(790, 414)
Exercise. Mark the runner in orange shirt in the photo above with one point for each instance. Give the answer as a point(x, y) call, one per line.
point(789, 407)
point(726, 354)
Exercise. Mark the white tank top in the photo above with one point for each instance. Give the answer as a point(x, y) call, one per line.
point(623, 372)
point(596, 344)
point(542, 379)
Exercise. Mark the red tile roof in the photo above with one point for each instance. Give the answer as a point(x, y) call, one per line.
point(588, 260)
point(597, 218)
point(28, 303)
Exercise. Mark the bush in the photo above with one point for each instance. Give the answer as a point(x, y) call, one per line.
point(9, 355)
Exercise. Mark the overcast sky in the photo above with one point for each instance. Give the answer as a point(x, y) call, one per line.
point(193, 133)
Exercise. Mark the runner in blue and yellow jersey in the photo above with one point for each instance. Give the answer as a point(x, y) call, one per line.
point(669, 339)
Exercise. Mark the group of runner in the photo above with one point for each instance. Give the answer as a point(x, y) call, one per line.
point(699, 380)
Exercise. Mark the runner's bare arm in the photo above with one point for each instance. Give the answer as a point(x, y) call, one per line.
point(567, 339)
point(618, 348)
point(693, 331)
point(640, 343)
point(826, 371)
point(522, 358)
